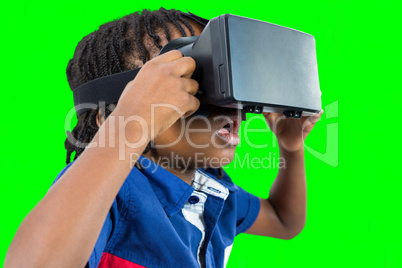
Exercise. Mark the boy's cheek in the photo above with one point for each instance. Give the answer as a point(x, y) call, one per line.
point(186, 133)
point(198, 147)
point(191, 139)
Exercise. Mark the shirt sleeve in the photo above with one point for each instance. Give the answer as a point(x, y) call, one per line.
point(248, 208)
point(107, 229)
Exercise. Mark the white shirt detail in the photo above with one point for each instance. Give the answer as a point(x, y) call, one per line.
point(203, 183)
point(227, 254)
point(194, 213)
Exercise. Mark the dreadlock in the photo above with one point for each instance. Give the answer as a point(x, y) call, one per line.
point(117, 46)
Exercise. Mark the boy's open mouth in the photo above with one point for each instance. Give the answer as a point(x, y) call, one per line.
point(229, 130)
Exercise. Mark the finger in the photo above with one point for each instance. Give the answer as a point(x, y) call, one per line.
point(311, 120)
point(169, 56)
point(193, 106)
point(273, 120)
point(315, 117)
point(183, 67)
point(272, 117)
point(317, 114)
point(190, 85)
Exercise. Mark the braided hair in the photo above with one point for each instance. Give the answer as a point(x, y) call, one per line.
point(117, 46)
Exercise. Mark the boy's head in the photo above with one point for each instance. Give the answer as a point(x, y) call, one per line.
point(128, 43)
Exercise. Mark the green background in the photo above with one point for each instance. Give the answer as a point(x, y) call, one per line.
point(353, 152)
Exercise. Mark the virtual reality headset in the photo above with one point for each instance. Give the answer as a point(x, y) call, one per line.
point(241, 63)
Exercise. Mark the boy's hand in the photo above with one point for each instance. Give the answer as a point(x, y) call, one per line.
point(291, 132)
point(163, 84)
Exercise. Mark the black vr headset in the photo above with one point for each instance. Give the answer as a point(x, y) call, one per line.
point(242, 63)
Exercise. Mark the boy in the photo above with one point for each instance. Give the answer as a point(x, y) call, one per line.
point(103, 212)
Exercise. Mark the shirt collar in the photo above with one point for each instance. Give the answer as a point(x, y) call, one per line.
point(172, 191)
point(225, 181)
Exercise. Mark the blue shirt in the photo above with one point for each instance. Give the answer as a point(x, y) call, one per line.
point(158, 220)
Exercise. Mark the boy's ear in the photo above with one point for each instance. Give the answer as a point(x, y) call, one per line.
point(99, 118)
